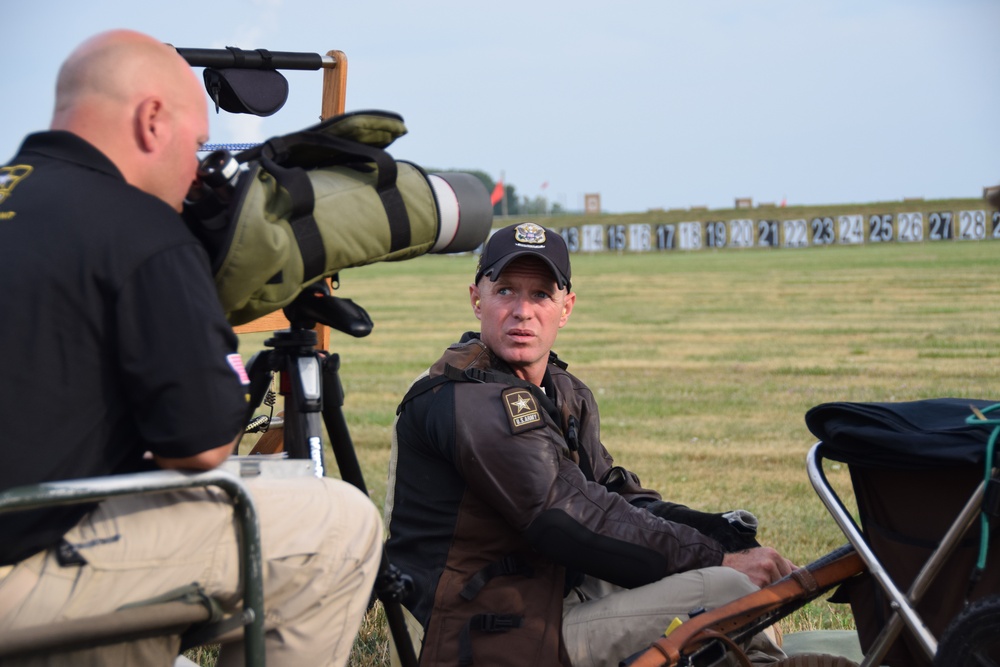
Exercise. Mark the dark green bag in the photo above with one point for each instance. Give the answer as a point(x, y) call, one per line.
point(328, 198)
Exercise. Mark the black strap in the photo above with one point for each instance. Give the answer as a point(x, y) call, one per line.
point(573, 441)
point(484, 623)
point(214, 87)
point(343, 150)
point(554, 359)
point(238, 58)
point(419, 387)
point(506, 566)
point(277, 157)
point(265, 57)
point(304, 226)
point(453, 374)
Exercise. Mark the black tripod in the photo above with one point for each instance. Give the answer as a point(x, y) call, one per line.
point(310, 383)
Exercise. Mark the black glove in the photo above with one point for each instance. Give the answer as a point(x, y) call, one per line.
point(735, 530)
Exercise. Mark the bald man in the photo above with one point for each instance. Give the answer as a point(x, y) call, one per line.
point(118, 356)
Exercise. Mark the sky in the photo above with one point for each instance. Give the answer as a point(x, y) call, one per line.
point(648, 103)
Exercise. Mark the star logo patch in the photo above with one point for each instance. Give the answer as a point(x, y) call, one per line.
point(522, 410)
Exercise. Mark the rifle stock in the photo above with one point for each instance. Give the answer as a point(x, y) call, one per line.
point(753, 612)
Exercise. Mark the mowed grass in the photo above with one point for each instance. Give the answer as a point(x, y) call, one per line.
point(704, 365)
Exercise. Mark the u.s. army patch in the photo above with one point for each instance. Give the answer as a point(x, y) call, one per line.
point(522, 410)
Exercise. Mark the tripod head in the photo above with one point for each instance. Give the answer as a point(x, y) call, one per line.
point(309, 379)
point(315, 305)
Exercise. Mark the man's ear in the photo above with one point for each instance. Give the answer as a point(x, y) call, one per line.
point(567, 308)
point(150, 128)
point(474, 300)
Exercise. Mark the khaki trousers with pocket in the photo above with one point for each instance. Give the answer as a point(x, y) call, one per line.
point(321, 541)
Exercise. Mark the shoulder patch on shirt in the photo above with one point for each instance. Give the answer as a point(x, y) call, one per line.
point(522, 410)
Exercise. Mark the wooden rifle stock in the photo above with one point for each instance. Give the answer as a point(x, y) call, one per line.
point(783, 596)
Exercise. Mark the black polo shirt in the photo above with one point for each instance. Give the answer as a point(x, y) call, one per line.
point(112, 336)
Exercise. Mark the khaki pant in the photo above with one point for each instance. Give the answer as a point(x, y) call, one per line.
point(321, 541)
point(604, 624)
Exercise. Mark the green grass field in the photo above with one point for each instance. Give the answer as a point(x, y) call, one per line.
point(704, 364)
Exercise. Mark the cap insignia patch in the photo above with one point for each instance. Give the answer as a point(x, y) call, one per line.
point(529, 232)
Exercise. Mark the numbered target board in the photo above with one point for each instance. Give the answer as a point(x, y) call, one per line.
point(880, 228)
point(592, 238)
point(795, 233)
point(910, 227)
point(939, 226)
point(971, 225)
point(689, 235)
point(850, 229)
point(741, 233)
point(875, 227)
point(640, 238)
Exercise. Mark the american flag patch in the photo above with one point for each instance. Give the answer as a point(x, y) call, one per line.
point(236, 363)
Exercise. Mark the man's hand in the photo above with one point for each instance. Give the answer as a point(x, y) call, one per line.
point(763, 565)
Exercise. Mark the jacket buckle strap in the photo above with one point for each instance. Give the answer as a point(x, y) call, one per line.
point(478, 375)
point(484, 623)
point(496, 622)
point(507, 565)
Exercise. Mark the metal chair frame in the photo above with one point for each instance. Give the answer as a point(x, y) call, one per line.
point(903, 604)
point(49, 494)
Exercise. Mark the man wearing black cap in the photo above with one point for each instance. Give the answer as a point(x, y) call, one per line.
point(526, 544)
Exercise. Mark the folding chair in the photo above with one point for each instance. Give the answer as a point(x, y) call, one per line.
point(922, 473)
point(160, 618)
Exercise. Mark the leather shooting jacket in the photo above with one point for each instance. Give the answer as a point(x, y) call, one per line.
point(499, 493)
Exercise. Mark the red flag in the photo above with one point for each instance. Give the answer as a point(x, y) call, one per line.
point(497, 193)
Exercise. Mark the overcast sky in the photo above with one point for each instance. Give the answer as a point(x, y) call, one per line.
point(651, 104)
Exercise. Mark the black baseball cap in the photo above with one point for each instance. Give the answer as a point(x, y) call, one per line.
point(525, 239)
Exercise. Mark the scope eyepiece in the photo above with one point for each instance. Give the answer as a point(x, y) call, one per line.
point(219, 172)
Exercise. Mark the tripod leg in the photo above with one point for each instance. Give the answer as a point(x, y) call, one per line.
point(336, 425)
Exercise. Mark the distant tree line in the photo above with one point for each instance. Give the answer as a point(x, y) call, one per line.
point(515, 205)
